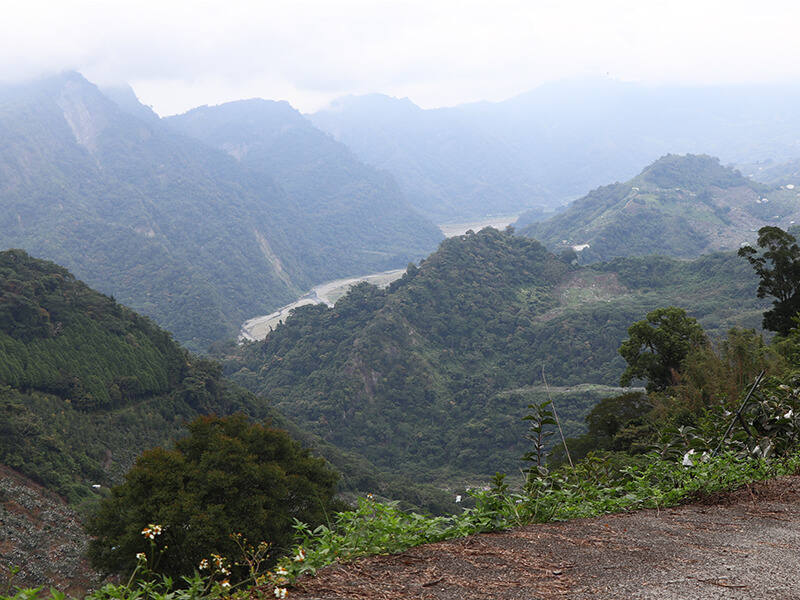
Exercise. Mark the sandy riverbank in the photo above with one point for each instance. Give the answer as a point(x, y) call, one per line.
point(329, 292)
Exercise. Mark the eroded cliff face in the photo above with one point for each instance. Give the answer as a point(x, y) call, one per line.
point(84, 112)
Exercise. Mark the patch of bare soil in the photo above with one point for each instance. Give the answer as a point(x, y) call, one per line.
point(739, 545)
point(582, 288)
point(40, 534)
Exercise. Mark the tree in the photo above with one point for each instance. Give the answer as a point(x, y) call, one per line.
point(227, 476)
point(781, 280)
point(610, 415)
point(658, 345)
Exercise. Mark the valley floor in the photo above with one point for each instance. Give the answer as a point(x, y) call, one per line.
point(737, 545)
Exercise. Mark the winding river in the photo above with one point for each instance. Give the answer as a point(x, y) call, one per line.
point(328, 293)
point(257, 328)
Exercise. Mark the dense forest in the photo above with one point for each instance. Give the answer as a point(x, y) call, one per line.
point(431, 377)
point(437, 378)
point(87, 384)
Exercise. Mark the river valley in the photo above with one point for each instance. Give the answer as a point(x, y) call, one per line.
point(257, 328)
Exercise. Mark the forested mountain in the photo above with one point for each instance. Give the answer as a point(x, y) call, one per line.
point(357, 213)
point(680, 206)
point(431, 377)
point(86, 384)
point(558, 141)
point(172, 227)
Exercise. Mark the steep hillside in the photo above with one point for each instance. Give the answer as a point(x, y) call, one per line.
point(431, 377)
point(164, 225)
point(87, 384)
point(356, 212)
point(680, 206)
point(42, 536)
point(172, 227)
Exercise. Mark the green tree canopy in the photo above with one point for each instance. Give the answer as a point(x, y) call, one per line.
point(610, 415)
point(780, 280)
point(227, 476)
point(658, 345)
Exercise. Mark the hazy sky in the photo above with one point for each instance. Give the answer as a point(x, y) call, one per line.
point(178, 55)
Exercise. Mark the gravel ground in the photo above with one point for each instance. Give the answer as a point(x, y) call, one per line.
point(739, 545)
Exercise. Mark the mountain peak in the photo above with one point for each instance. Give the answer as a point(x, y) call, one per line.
point(124, 97)
point(244, 120)
point(694, 172)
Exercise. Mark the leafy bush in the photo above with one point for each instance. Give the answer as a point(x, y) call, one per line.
point(227, 475)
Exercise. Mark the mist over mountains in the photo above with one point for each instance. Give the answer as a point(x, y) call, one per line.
point(206, 219)
point(557, 142)
point(448, 165)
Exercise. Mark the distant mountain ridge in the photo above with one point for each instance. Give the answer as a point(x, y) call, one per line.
point(552, 144)
point(679, 206)
point(448, 166)
point(171, 226)
point(356, 212)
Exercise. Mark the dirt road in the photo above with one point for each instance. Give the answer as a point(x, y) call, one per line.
point(741, 545)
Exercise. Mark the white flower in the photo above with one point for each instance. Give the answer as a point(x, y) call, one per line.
point(141, 556)
point(300, 556)
point(151, 531)
point(458, 498)
point(281, 571)
point(280, 592)
point(687, 459)
point(789, 414)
